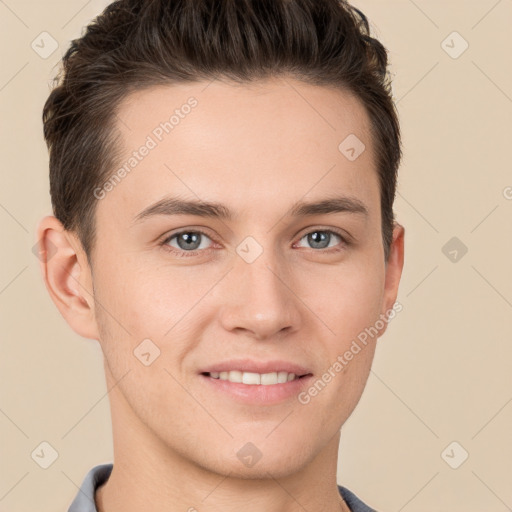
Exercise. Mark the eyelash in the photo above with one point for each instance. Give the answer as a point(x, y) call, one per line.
point(187, 254)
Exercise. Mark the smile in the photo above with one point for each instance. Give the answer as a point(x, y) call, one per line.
point(251, 378)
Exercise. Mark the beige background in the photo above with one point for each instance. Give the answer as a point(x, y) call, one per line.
point(442, 370)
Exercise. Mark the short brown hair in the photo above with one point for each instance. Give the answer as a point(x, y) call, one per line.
point(135, 44)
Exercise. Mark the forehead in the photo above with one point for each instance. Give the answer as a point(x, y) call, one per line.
point(251, 145)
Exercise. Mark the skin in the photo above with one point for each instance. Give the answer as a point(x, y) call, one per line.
point(257, 149)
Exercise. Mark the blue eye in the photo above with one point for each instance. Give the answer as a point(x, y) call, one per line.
point(189, 242)
point(318, 238)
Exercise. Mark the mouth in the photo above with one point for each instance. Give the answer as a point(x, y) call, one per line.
point(256, 389)
point(255, 382)
point(255, 379)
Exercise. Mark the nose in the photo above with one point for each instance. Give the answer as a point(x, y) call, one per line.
point(260, 298)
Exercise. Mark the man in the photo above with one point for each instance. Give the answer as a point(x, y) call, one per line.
point(222, 177)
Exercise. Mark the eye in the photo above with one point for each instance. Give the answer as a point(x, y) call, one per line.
point(189, 242)
point(321, 238)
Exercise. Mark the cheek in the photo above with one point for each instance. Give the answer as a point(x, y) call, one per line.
point(350, 308)
point(140, 303)
point(137, 295)
point(347, 299)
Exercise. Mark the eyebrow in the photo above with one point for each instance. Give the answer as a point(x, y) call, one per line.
point(175, 206)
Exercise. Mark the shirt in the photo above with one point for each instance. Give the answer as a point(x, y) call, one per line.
point(98, 475)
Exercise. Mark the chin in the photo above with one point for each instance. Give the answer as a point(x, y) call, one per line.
point(262, 460)
point(262, 470)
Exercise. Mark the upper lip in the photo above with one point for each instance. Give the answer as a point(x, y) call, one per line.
point(251, 365)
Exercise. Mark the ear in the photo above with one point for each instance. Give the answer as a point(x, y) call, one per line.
point(394, 266)
point(67, 276)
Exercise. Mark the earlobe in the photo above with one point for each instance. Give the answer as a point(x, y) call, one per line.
point(67, 276)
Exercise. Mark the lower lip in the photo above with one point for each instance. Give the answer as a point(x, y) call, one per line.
point(259, 394)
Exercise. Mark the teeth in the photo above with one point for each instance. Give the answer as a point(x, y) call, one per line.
point(249, 378)
point(266, 379)
point(234, 376)
point(282, 377)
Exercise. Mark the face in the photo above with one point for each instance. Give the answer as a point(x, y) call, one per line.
point(180, 294)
